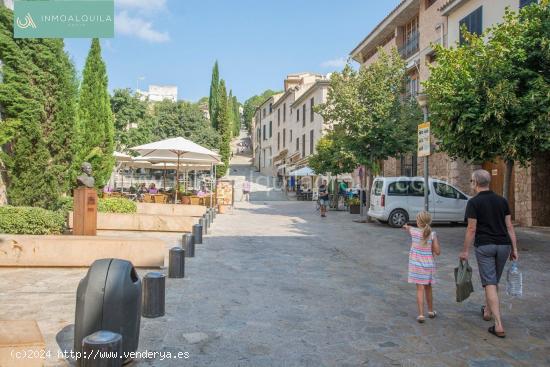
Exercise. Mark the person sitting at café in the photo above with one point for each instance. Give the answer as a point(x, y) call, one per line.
point(202, 192)
point(153, 189)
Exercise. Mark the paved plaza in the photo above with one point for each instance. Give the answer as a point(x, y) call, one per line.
point(275, 285)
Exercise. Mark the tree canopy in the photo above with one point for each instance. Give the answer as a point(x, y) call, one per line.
point(490, 98)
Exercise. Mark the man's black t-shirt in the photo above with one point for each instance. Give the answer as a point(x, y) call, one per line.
point(323, 194)
point(490, 211)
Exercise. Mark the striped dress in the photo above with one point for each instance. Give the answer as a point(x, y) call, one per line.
point(421, 259)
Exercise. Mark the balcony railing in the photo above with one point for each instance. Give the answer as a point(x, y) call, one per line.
point(410, 47)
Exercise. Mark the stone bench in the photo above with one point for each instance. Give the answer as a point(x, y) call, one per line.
point(171, 209)
point(76, 251)
point(142, 222)
point(19, 339)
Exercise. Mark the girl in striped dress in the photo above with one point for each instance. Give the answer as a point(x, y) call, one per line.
point(424, 247)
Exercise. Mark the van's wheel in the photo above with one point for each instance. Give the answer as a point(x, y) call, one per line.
point(398, 218)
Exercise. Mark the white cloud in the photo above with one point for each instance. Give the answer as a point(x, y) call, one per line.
point(139, 27)
point(335, 63)
point(141, 5)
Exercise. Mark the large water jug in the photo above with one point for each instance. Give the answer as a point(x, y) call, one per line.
point(514, 286)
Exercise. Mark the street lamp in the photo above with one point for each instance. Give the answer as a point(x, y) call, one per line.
point(422, 100)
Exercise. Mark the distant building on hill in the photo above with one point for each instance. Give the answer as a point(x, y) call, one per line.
point(159, 93)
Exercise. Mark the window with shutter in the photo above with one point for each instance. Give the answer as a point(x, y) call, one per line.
point(473, 23)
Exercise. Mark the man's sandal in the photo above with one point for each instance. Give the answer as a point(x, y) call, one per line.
point(499, 334)
point(432, 314)
point(485, 318)
point(420, 319)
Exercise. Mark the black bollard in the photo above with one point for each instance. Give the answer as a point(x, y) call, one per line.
point(153, 295)
point(197, 234)
point(202, 222)
point(188, 245)
point(102, 349)
point(211, 214)
point(176, 263)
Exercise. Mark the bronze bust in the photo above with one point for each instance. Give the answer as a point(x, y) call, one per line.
point(86, 179)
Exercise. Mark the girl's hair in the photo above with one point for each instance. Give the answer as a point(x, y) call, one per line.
point(424, 219)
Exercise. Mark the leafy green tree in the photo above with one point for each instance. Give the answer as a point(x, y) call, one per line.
point(251, 104)
point(367, 108)
point(332, 156)
point(490, 99)
point(224, 129)
point(96, 121)
point(214, 92)
point(38, 96)
point(127, 109)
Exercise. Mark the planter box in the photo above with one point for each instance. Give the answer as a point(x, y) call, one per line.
point(143, 222)
point(54, 251)
point(355, 209)
point(222, 208)
point(24, 338)
point(171, 209)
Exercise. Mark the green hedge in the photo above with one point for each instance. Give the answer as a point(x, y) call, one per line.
point(117, 205)
point(28, 220)
point(105, 205)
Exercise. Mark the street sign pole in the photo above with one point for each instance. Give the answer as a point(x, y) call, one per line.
point(424, 149)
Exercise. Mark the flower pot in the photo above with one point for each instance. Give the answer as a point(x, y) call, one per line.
point(186, 200)
point(355, 209)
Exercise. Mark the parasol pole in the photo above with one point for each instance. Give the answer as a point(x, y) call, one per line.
point(177, 178)
point(164, 178)
point(211, 182)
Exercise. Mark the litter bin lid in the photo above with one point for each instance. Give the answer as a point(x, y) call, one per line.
point(155, 274)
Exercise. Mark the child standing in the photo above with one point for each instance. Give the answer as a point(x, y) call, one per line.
point(424, 247)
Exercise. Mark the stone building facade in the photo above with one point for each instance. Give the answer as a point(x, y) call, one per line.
point(413, 27)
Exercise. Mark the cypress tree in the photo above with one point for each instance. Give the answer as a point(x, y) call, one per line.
point(237, 115)
point(213, 99)
point(224, 128)
point(96, 123)
point(230, 112)
point(39, 92)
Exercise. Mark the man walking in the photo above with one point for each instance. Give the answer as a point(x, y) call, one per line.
point(491, 231)
point(323, 198)
point(246, 191)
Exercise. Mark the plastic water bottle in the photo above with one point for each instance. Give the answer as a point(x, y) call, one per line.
point(514, 286)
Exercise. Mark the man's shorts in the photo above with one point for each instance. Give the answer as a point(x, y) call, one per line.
point(490, 261)
point(323, 202)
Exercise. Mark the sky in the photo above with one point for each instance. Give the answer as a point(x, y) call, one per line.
point(256, 42)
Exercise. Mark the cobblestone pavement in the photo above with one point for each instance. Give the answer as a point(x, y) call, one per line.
point(274, 285)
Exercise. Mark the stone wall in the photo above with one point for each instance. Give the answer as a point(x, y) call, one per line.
point(532, 192)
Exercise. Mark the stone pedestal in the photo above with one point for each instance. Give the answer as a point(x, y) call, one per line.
point(85, 212)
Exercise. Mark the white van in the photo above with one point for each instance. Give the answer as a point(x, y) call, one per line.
point(397, 200)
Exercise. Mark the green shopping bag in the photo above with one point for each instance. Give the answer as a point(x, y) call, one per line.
point(463, 280)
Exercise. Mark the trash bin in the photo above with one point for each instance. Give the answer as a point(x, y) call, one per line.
point(109, 298)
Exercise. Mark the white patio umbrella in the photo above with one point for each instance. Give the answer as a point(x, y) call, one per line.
point(178, 148)
point(304, 171)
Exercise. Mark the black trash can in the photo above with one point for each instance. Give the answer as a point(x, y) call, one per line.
point(109, 298)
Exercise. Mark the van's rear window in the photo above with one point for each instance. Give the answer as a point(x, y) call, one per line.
point(378, 187)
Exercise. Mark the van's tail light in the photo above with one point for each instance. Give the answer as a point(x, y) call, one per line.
point(383, 201)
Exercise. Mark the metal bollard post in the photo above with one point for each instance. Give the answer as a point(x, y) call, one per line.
point(206, 220)
point(211, 215)
point(197, 234)
point(188, 244)
point(176, 263)
point(202, 223)
point(154, 284)
point(102, 342)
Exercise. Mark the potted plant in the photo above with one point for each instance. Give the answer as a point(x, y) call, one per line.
point(186, 198)
point(354, 205)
